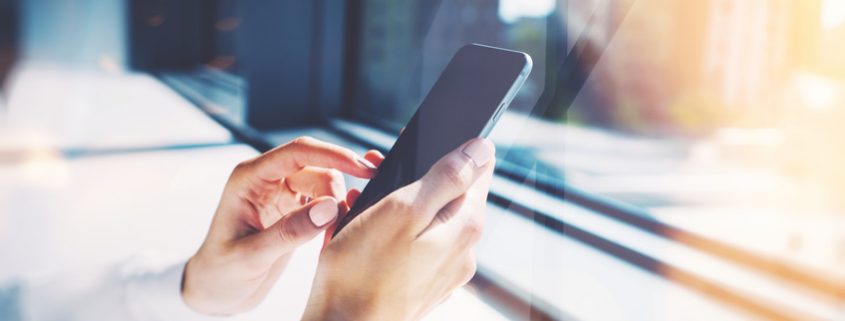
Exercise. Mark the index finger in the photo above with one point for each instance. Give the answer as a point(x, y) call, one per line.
point(306, 151)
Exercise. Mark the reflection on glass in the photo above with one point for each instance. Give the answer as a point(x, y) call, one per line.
point(406, 44)
point(222, 20)
point(722, 117)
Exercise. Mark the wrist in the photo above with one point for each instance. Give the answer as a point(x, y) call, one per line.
point(334, 313)
point(327, 307)
point(185, 290)
point(190, 295)
point(156, 293)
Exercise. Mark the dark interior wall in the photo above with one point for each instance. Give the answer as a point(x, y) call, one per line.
point(278, 49)
point(9, 28)
point(290, 53)
point(164, 35)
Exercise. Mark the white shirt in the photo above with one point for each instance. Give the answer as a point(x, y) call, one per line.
point(138, 290)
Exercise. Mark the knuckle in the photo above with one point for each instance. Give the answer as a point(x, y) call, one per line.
point(473, 230)
point(401, 204)
point(241, 170)
point(325, 175)
point(332, 183)
point(334, 175)
point(453, 172)
point(302, 141)
point(408, 209)
point(468, 270)
point(286, 235)
point(416, 208)
point(242, 166)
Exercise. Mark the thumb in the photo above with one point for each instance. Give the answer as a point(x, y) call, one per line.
point(351, 197)
point(294, 229)
point(449, 179)
point(455, 173)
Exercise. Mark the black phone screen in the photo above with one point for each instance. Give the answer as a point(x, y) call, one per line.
point(470, 92)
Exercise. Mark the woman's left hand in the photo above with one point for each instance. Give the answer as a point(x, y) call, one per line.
point(271, 205)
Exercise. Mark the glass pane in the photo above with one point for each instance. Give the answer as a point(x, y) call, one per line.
point(719, 117)
point(406, 44)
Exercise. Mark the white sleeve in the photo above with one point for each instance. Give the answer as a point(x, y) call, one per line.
point(135, 291)
point(156, 296)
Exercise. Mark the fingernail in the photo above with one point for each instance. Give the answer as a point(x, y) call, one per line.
point(323, 212)
point(480, 151)
point(367, 164)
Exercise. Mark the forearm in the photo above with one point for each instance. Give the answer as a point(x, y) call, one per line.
point(327, 305)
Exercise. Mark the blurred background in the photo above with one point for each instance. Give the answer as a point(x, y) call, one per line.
point(665, 160)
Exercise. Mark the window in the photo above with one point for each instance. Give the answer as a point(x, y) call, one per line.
point(661, 151)
point(405, 44)
point(707, 123)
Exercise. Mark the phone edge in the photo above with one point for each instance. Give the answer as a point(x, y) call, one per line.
point(511, 94)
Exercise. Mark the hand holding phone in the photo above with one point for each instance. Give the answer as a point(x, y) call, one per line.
point(419, 218)
point(410, 250)
point(467, 100)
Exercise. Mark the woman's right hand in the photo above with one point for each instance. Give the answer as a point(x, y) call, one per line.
point(410, 251)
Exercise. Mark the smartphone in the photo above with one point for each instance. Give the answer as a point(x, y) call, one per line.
point(466, 101)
